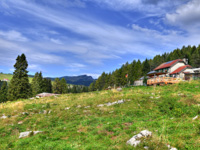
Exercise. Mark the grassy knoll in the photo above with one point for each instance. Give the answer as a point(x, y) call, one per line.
point(9, 77)
point(166, 111)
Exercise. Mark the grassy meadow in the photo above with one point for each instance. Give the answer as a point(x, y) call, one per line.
point(166, 111)
point(9, 77)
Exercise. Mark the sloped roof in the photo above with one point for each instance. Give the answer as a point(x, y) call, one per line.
point(180, 69)
point(168, 64)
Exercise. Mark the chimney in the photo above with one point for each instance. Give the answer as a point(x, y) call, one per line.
point(185, 60)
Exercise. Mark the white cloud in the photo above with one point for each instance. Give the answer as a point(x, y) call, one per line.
point(57, 41)
point(187, 16)
point(13, 36)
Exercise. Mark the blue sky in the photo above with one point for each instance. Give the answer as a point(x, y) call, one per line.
point(75, 37)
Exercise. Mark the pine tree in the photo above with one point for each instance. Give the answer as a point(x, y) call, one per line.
point(57, 89)
point(19, 86)
point(64, 87)
point(35, 84)
point(47, 85)
point(4, 92)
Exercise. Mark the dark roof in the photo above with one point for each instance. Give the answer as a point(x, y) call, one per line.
point(168, 64)
point(181, 69)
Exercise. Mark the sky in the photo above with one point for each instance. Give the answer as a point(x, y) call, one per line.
point(78, 37)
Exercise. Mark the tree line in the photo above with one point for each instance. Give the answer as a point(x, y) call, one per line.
point(137, 69)
point(19, 86)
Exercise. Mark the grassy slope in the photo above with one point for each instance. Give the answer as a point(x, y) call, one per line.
point(9, 77)
point(106, 127)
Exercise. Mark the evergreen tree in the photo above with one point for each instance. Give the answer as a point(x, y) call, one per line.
point(47, 85)
point(64, 87)
point(35, 84)
point(57, 89)
point(19, 86)
point(4, 92)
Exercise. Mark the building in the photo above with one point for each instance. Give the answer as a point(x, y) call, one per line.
point(6, 80)
point(178, 68)
point(140, 82)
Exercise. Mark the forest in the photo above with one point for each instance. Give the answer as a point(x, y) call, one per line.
point(129, 72)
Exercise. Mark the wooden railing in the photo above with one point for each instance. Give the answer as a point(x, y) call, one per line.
point(163, 80)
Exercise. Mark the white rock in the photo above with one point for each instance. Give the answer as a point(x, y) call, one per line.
point(134, 141)
point(151, 97)
point(173, 148)
point(87, 106)
point(100, 105)
point(49, 112)
point(4, 117)
point(27, 133)
point(146, 133)
point(146, 147)
point(195, 118)
point(79, 106)
point(120, 101)
point(24, 134)
point(67, 108)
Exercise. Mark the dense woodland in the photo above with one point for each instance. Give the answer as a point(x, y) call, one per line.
point(20, 88)
point(137, 69)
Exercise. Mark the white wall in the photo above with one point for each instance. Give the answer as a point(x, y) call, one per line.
point(179, 64)
point(138, 83)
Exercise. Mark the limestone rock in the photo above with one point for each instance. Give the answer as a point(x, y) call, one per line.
point(4, 117)
point(27, 133)
point(195, 117)
point(135, 140)
point(100, 105)
point(67, 108)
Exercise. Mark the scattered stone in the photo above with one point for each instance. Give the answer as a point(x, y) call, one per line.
point(27, 133)
point(195, 118)
point(134, 141)
point(151, 97)
point(46, 95)
point(4, 117)
point(100, 105)
point(120, 101)
point(173, 148)
point(67, 108)
point(146, 147)
point(158, 97)
point(87, 106)
point(79, 106)
point(32, 98)
point(37, 97)
point(49, 112)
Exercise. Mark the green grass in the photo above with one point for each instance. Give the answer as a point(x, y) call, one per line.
point(166, 111)
point(9, 77)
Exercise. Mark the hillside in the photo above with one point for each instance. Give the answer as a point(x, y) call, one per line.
point(77, 80)
point(89, 121)
point(9, 77)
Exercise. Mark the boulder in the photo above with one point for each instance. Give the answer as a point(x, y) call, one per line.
point(27, 133)
point(195, 117)
point(100, 105)
point(135, 140)
point(4, 117)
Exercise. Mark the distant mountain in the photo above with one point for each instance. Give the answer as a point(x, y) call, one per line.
point(77, 80)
